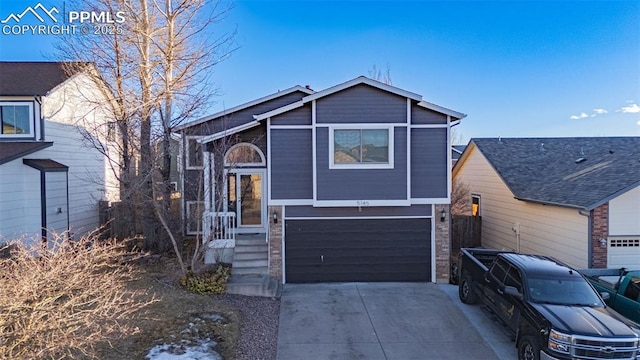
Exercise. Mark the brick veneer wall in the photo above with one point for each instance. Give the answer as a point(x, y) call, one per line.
point(599, 230)
point(442, 243)
point(275, 242)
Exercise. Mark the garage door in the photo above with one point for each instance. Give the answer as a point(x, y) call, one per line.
point(624, 252)
point(358, 250)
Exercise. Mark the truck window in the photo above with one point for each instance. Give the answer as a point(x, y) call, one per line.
point(514, 279)
point(633, 289)
point(499, 270)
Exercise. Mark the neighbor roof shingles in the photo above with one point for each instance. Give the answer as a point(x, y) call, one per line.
point(30, 78)
point(545, 169)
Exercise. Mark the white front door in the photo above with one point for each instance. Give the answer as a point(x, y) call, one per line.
point(246, 190)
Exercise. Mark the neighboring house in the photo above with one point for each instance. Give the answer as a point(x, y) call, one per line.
point(456, 152)
point(576, 199)
point(351, 183)
point(51, 178)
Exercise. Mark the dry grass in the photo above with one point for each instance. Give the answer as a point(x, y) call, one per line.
point(85, 301)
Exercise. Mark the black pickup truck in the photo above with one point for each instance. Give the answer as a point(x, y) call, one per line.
point(552, 311)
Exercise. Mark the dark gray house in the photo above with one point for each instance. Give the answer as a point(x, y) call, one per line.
point(351, 183)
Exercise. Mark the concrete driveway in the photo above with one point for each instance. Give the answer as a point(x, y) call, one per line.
point(375, 321)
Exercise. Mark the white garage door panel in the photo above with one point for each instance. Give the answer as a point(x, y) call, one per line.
point(624, 252)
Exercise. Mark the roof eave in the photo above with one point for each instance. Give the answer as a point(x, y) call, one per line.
point(543, 202)
point(442, 109)
point(362, 80)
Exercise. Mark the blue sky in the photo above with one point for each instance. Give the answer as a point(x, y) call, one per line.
point(522, 69)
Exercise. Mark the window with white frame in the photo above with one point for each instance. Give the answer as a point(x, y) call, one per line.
point(194, 154)
point(244, 154)
point(194, 216)
point(16, 119)
point(475, 205)
point(361, 147)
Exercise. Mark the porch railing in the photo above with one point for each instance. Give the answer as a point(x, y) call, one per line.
point(218, 226)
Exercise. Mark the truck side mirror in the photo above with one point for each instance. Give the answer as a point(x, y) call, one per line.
point(511, 290)
point(605, 296)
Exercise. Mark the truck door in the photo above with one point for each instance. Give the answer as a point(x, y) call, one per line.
point(493, 288)
point(628, 298)
point(510, 306)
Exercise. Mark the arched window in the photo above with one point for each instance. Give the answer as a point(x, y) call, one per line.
point(244, 154)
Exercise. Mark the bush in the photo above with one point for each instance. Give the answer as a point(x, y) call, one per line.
point(209, 282)
point(60, 302)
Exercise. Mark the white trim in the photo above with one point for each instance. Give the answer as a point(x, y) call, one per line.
point(314, 150)
point(390, 146)
point(442, 109)
point(429, 126)
point(244, 106)
point(360, 203)
point(32, 119)
point(433, 245)
point(190, 232)
point(227, 132)
point(187, 151)
point(268, 163)
point(283, 250)
point(206, 160)
point(429, 201)
point(358, 217)
point(279, 110)
point(253, 146)
point(264, 219)
point(292, 202)
point(362, 80)
point(291, 127)
point(408, 153)
point(449, 188)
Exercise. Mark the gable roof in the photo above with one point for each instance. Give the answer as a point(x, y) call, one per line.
point(244, 106)
point(574, 172)
point(358, 81)
point(30, 78)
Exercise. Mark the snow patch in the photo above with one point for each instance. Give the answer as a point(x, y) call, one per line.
point(185, 350)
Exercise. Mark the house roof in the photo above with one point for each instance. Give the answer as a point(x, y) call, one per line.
point(244, 106)
point(12, 150)
point(46, 165)
point(579, 172)
point(357, 81)
point(456, 151)
point(30, 78)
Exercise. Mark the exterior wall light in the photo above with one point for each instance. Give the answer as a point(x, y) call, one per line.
point(275, 217)
point(603, 242)
point(443, 215)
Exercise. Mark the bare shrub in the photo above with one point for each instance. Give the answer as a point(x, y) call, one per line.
point(60, 302)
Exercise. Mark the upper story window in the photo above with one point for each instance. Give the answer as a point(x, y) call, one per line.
point(16, 119)
point(194, 153)
point(361, 148)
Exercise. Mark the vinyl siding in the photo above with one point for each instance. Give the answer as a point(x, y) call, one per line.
point(361, 104)
point(420, 115)
point(299, 116)
point(429, 163)
point(291, 164)
point(20, 216)
point(548, 230)
point(56, 187)
point(361, 184)
point(624, 213)
point(86, 174)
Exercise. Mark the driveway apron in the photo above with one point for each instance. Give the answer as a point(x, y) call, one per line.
point(389, 321)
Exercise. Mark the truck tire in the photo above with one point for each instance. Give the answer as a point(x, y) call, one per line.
point(465, 292)
point(528, 348)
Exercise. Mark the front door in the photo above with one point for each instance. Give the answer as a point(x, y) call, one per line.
point(246, 197)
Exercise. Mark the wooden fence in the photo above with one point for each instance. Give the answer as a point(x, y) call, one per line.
point(466, 231)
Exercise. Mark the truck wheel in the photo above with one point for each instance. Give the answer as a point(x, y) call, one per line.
point(528, 348)
point(465, 292)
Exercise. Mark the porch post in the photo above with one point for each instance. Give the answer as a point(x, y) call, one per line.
point(206, 159)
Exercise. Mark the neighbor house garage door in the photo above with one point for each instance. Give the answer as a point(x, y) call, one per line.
point(624, 252)
point(358, 250)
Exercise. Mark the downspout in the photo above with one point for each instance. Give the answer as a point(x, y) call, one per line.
point(39, 101)
point(589, 237)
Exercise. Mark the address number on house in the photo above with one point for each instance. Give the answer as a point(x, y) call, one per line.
point(362, 203)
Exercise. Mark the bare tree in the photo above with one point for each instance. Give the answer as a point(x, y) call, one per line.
point(460, 198)
point(154, 72)
point(383, 76)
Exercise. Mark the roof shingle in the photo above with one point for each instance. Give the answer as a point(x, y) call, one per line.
point(30, 78)
point(574, 172)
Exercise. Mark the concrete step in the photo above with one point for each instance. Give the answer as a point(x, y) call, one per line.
point(250, 263)
point(251, 248)
point(257, 270)
point(250, 242)
point(252, 255)
point(254, 285)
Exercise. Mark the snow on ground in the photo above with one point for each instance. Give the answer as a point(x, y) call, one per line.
point(195, 349)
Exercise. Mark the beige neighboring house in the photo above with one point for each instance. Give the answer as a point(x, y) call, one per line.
point(576, 199)
point(55, 148)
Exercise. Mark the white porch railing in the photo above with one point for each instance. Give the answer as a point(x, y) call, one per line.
point(218, 226)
